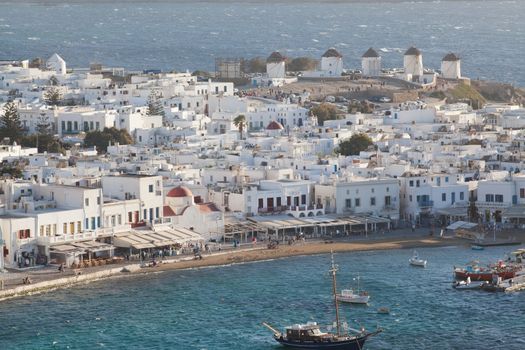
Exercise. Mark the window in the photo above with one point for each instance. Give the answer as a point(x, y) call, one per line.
point(522, 192)
point(387, 200)
point(411, 183)
point(443, 197)
point(410, 198)
point(87, 202)
point(358, 202)
point(446, 178)
point(348, 203)
point(461, 196)
point(261, 203)
point(98, 200)
point(278, 201)
point(157, 212)
point(489, 198)
point(64, 228)
point(303, 199)
point(499, 198)
point(151, 188)
point(372, 201)
point(72, 227)
point(417, 183)
point(79, 226)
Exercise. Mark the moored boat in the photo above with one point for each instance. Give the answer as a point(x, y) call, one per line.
point(416, 261)
point(354, 297)
point(478, 273)
point(477, 247)
point(310, 336)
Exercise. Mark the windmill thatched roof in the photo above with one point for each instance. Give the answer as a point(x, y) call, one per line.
point(371, 53)
point(450, 57)
point(331, 52)
point(275, 57)
point(413, 52)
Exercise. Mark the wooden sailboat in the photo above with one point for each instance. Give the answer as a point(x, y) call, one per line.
point(310, 336)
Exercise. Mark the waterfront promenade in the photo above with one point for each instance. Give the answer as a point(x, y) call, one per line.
point(47, 278)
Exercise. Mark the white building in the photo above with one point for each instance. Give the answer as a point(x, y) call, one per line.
point(451, 66)
point(379, 197)
point(57, 64)
point(371, 63)
point(332, 63)
point(413, 64)
point(275, 65)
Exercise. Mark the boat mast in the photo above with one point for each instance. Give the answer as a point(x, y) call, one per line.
point(333, 270)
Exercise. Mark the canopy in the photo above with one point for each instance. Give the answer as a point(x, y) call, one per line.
point(461, 225)
point(160, 237)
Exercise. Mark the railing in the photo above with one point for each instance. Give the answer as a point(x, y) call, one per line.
point(482, 204)
point(390, 207)
point(46, 240)
point(425, 204)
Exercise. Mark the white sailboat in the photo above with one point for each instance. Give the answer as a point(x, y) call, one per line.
point(354, 297)
point(416, 261)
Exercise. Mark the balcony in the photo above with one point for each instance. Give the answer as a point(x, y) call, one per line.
point(488, 205)
point(425, 204)
point(47, 240)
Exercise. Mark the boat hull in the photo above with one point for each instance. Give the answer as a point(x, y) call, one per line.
point(419, 263)
point(483, 276)
point(362, 299)
point(350, 344)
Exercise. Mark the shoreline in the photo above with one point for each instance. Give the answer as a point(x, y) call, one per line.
point(229, 257)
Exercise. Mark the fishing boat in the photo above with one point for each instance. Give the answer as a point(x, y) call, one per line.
point(416, 261)
point(478, 273)
point(477, 247)
point(310, 336)
point(354, 297)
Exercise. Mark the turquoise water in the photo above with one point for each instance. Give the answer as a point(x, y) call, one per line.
point(187, 34)
point(223, 307)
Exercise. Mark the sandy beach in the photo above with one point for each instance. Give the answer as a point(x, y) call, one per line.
point(49, 278)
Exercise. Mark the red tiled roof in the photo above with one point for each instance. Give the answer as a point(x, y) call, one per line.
point(178, 192)
point(167, 211)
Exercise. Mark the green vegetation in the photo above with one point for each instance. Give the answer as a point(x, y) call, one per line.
point(155, 104)
point(354, 145)
point(301, 64)
point(440, 95)
point(240, 123)
point(202, 73)
point(361, 107)
point(52, 96)
point(101, 139)
point(254, 65)
point(324, 111)
point(10, 125)
point(11, 170)
point(464, 92)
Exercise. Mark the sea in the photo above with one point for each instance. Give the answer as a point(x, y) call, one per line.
point(223, 307)
point(181, 35)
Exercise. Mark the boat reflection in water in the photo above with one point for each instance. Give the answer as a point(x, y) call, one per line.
point(310, 336)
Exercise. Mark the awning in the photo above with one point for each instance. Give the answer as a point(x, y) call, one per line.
point(461, 225)
point(517, 211)
point(93, 246)
point(160, 237)
point(66, 249)
point(458, 211)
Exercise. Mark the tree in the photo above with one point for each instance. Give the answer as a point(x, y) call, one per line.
point(53, 96)
point(101, 139)
point(355, 144)
point(155, 104)
point(254, 65)
point(301, 64)
point(324, 111)
point(240, 123)
point(10, 125)
point(53, 81)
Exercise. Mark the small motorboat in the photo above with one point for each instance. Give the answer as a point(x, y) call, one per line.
point(416, 261)
point(477, 247)
point(467, 285)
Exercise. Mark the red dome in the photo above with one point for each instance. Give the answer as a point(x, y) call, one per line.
point(274, 126)
point(178, 192)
